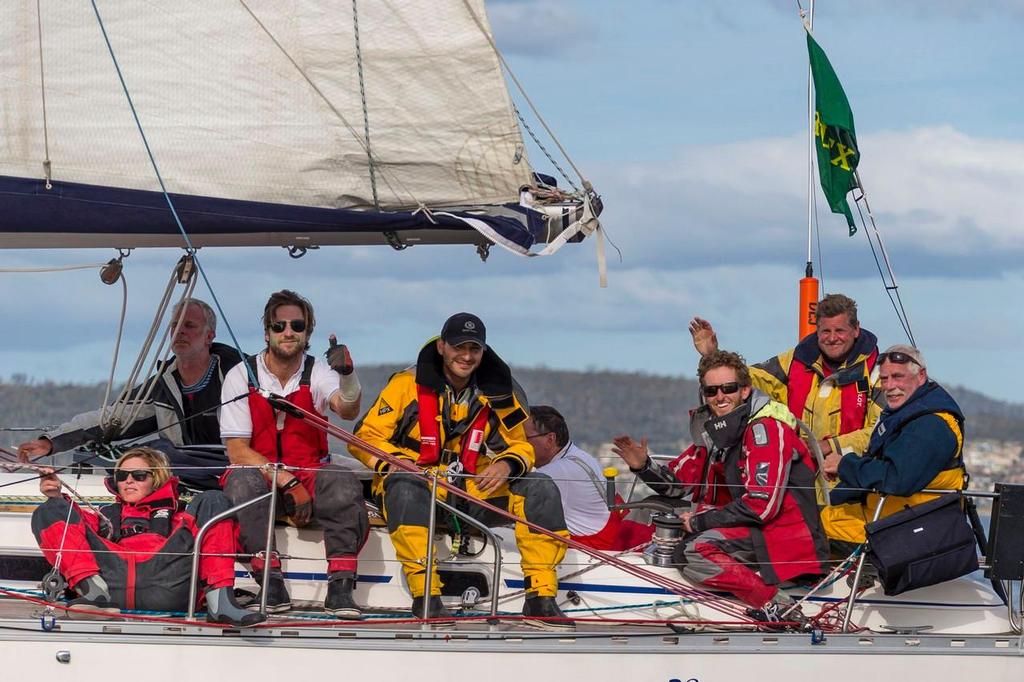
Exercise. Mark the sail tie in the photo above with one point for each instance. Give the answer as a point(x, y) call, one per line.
point(47, 166)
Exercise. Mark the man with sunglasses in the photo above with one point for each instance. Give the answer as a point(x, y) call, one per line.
point(181, 408)
point(257, 433)
point(459, 412)
point(751, 481)
point(827, 381)
point(917, 444)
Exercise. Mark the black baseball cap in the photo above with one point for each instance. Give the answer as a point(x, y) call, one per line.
point(463, 327)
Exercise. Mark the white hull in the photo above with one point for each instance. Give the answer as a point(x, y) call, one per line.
point(964, 619)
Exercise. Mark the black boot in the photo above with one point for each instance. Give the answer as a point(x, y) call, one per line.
point(339, 600)
point(278, 600)
point(436, 611)
point(543, 612)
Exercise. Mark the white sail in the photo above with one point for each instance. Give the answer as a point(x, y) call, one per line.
point(256, 101)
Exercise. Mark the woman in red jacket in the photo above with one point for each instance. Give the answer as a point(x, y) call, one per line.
point(137, 552)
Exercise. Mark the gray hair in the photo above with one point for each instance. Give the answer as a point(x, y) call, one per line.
point(211, 317)
point(912, 352)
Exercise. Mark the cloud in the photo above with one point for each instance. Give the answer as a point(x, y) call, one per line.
point(538, 27)
point(944, 201)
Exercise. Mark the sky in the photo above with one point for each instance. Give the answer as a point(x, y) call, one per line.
point(690, 119)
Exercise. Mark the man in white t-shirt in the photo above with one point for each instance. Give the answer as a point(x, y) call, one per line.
point(257, 434)
point(581, 482)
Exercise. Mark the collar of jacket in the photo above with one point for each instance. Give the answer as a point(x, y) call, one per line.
point(808, 353)
point(930, 398)
point(164, 497)
point(227, 357)
point(493, 377)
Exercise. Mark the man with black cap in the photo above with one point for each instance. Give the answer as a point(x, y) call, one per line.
point(459, 412)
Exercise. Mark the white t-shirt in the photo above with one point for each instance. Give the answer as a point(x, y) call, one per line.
point(235, 418)
point(580, 480)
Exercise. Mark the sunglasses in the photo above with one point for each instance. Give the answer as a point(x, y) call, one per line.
point(898, 358)
point(538, 435)
point(298, 326)
point(139, 475)
point(728, 389)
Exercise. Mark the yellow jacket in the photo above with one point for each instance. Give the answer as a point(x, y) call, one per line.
point(797, 379)
point(392, 421)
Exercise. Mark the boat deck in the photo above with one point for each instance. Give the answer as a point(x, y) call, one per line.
point(21, 620)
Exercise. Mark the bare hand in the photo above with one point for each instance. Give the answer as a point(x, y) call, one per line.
point(49, 484)
point(493, 477)
point(831, 468)
point(826, 447)
point(632, 453)
point(34, 449)
point(704, 338)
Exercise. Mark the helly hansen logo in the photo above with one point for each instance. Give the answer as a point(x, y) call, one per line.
point(384, 408)
point(718, 426)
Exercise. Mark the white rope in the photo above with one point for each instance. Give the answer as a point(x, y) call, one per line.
point(117, 345)
point(53, 268)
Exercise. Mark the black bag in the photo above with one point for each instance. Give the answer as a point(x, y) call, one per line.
point(922, 545)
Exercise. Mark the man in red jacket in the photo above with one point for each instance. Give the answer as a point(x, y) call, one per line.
point(754, 521)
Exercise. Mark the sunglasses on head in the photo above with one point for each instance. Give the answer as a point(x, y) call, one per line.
point(298, 326)
point(139, 475)
point(728, 389)
point(898, 357)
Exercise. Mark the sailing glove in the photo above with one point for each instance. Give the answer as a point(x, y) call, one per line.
point(297, 502)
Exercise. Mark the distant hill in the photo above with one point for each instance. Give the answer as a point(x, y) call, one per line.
point(597, 404)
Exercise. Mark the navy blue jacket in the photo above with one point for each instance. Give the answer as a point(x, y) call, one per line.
point(909, 447)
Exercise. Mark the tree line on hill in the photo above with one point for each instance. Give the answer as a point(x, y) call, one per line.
point(597, 404)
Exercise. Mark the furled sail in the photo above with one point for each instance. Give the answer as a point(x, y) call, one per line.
point(294, 123)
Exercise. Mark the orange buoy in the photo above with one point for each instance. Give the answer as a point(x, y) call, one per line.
point(808, 306)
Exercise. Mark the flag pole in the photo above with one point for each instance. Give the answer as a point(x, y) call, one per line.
point(808, 288)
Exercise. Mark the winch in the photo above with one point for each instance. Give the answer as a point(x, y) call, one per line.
point(668, 531)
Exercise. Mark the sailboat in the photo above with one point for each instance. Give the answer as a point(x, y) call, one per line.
point(313, 123)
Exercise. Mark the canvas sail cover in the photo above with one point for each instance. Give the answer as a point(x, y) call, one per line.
point(254, 112)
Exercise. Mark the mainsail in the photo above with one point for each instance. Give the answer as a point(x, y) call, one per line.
point(293, 123)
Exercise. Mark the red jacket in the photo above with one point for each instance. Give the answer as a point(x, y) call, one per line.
point(751, 469)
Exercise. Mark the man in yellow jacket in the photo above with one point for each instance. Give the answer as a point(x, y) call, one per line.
point(828, 380)
point(457, 412)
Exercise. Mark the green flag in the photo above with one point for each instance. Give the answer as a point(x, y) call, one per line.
point(833, 131)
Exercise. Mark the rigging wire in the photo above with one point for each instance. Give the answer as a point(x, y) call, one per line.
point(190, 248)
point(891, 287)
point(519, 86)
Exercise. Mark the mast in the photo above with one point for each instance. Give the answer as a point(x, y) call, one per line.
point(808, 289)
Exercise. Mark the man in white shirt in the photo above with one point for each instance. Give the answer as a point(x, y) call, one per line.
point(256, 434)
point(581, 482)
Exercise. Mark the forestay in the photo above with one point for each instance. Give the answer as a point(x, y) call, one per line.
point(255, 115)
